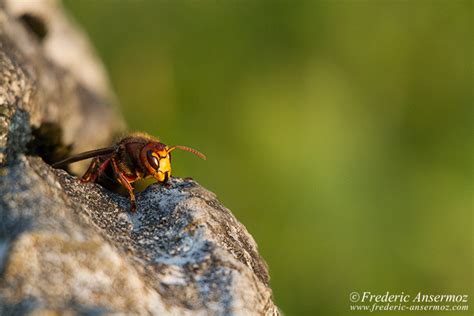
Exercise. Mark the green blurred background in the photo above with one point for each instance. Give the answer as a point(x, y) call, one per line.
point(339, 132)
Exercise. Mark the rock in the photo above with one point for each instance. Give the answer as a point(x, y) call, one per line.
point(54, 79)
point(68, 247)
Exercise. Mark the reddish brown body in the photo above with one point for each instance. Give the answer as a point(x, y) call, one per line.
point(132, 158)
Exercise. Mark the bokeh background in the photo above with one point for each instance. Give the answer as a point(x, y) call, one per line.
point(339, 132)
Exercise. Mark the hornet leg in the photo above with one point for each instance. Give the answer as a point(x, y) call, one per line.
point(94, 170)
point(124, 181)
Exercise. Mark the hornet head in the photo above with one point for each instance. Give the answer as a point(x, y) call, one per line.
point(157, 159)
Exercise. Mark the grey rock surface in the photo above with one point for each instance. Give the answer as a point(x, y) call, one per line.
point(73, 248)
point(69, 246)
point(38, 86)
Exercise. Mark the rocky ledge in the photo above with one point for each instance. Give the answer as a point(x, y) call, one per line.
point(69, 247)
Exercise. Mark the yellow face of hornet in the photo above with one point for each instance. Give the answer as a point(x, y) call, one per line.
point(156, 158)
point(164, 169)
point(160, 161)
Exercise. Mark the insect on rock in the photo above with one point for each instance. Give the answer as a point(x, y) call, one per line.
point(132, 158)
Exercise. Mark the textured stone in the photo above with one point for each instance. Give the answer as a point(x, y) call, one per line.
point(48, 86)
point(73, 248)
point(66, 245)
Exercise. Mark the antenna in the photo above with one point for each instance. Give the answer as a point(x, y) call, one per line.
point(188, 149)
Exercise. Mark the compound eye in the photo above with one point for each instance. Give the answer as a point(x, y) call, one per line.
point(152, 160)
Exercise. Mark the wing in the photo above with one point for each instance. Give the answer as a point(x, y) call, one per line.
point(84, 155)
